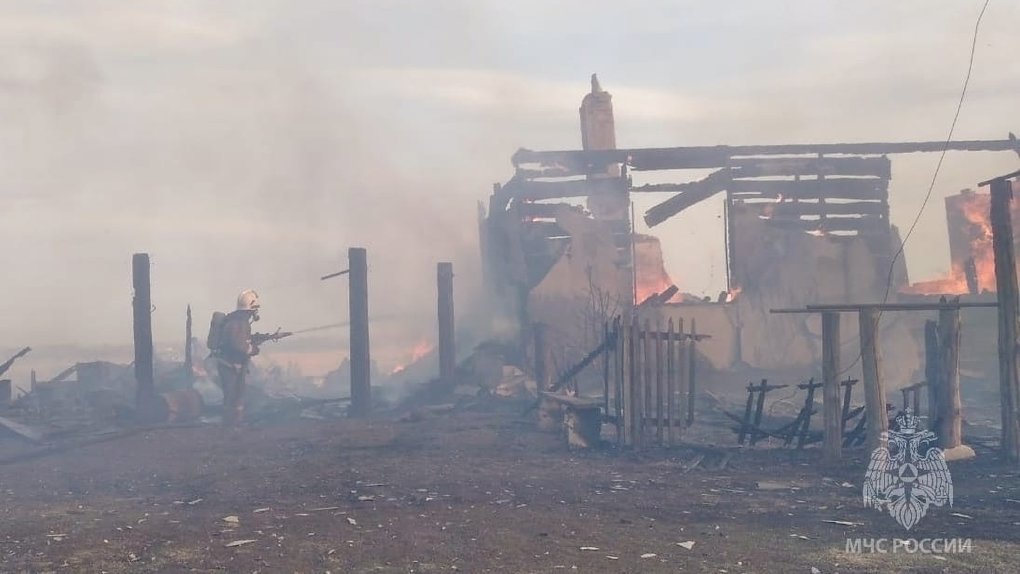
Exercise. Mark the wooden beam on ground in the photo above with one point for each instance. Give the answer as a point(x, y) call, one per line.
point(874, 391)
point(1009, 315)
point(831, 412)
point(26, 432)
point(361, 360)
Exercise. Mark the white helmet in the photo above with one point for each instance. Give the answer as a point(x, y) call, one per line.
point(248, 300)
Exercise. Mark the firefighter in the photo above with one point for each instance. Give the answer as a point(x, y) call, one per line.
point(234, 351)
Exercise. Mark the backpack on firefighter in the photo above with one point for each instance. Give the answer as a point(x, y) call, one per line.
point(215, 337)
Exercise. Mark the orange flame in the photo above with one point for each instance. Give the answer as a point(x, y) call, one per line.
point(974, 227)
point(731, 296)
point(418, 352)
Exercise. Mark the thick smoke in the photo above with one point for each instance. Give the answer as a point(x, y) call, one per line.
point(248, 144)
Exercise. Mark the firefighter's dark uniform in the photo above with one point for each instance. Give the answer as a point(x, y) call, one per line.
point(233, 357)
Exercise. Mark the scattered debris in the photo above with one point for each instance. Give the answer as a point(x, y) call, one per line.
point(258, 510)
point(351, 521)
point(958, 515)
point(231, 520)
point(687, 545)
point(24, 431)
point(238, 543)
point(694, 463)
point(591, 548)
point(843, 522)
point(649, 555)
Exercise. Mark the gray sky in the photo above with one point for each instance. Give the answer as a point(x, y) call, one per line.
point(249, 143)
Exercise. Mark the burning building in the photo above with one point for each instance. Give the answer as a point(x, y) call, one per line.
point(804, 224)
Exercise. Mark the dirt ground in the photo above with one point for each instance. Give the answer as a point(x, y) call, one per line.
point(467, 492)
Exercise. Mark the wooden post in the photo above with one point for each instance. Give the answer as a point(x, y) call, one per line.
point(550, 415)
point(746, 427)
point(542, 375)
point(949, 432)
point(1006, 287)
point(142, 312)
point(809, 405)
point(605, 368)
point(634, 378)
point(681, 373)
point(447, 350)
point(848, 394)
point(189, 364)
point(619, 364)
point(659, 384)
point(759, 411)
point(671, 377)
point(361, 361)
point(623, 368)
point(649, 383)
point(692, 385)
point(832, 413)
point(874, 392)
point(932, 373)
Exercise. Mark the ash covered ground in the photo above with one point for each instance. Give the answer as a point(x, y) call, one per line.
point(468, 491)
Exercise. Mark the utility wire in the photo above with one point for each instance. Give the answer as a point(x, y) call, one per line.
point(934, 177)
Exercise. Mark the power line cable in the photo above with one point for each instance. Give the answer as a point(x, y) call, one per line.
point(934, 177)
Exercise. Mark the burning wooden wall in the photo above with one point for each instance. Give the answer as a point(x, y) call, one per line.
point(972, 264)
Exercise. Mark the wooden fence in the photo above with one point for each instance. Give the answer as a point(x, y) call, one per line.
point(649, 375)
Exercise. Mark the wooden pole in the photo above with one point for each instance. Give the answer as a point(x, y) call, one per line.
point(932, 373)
point(659, 385)
point(1006, 287)
point(950, 429)
point(142, 312)
point(809, 405)
point(623, 369)
point(681, 372)
point(758, 411)
point(542, 375)
point(619, 387)
point(605, 368)
point(189, 361)
point(649, 383)
point(549, 412)
point(848, 393)
point(671, 377)
point(447, 349)
point(634, 380)
point(746, 427)
point(692, 385)
point(832, 413)
point(874, 392)
point(361, 361)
